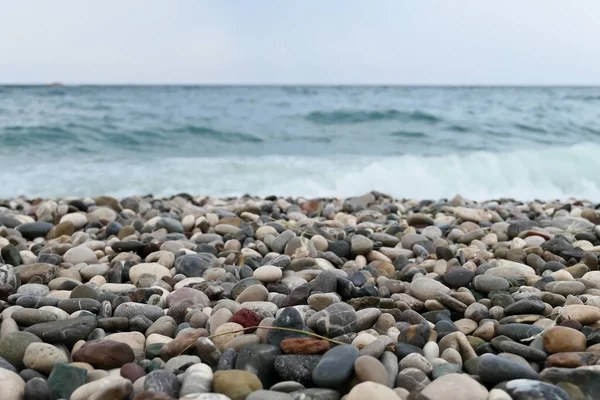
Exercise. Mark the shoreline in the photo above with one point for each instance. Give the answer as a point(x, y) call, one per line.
point(429, 299)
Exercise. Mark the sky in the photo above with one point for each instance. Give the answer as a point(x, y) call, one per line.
point(448, 42)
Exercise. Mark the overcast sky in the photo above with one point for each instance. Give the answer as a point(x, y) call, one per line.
point(276, 41)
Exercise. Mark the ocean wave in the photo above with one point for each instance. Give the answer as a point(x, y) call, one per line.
point(408, 134)
point(553, 173)
point(530, 128)
point(583, 98)
point(28, 136)
point(217, 135)
point(360, 116)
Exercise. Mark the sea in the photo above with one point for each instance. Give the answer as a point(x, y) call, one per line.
point(312, 141)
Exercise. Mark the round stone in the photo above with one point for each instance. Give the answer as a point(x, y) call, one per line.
point(426, 288)
point(80, 254)
point(371, 391)
point(12, 386)
point(369, 368)
point(455, 386)
point(335, 367)
point(227, 332)
point(267, 273)
point(43, 357)
point(562, 339)
point(235, 384)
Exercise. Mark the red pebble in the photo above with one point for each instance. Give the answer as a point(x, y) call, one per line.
point(304, 346)
point(246, 318)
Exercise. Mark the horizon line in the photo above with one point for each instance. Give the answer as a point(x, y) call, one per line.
point(58, 84)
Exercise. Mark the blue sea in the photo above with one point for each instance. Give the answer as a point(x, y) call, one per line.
point(410, 142)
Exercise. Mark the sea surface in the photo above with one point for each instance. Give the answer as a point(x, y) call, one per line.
point(411, 142)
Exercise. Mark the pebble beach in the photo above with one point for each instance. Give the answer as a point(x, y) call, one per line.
point(272, 298)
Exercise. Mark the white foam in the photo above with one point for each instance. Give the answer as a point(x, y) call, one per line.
point(554, 173)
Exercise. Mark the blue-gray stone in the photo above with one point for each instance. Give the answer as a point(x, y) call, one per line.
point(227, 360)
point(495, 369)
point(297, 368)
point(37, 389)
point(259, 359)
point(288, 318)
point(34, 230)
point(335, 367)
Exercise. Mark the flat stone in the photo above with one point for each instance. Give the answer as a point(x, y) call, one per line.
point(458, 277)
point(28, 317)
point(487, 283)
point(518, 331)
point(46, 272)
point(131, 309)
point(584, 314)
point(80, 254)
point(304, 346)
point(494, 369)
point(426, 288)
point(64, 331)
point(105, 354)
point(34, 230)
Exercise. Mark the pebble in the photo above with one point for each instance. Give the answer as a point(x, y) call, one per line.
point(297, 368)
point(113, 387)
point(14, 346)
point(12, 386)
point(335, 320)
point(236, 385)
point(372, 391)
point(267, 273)
point(37, 389)
point(560, 339)
point(418, 293)
point(65, 379)
point(368, 368)
point(455, 386)
point(494, 369)
point(43, 357)
point(335, 367)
